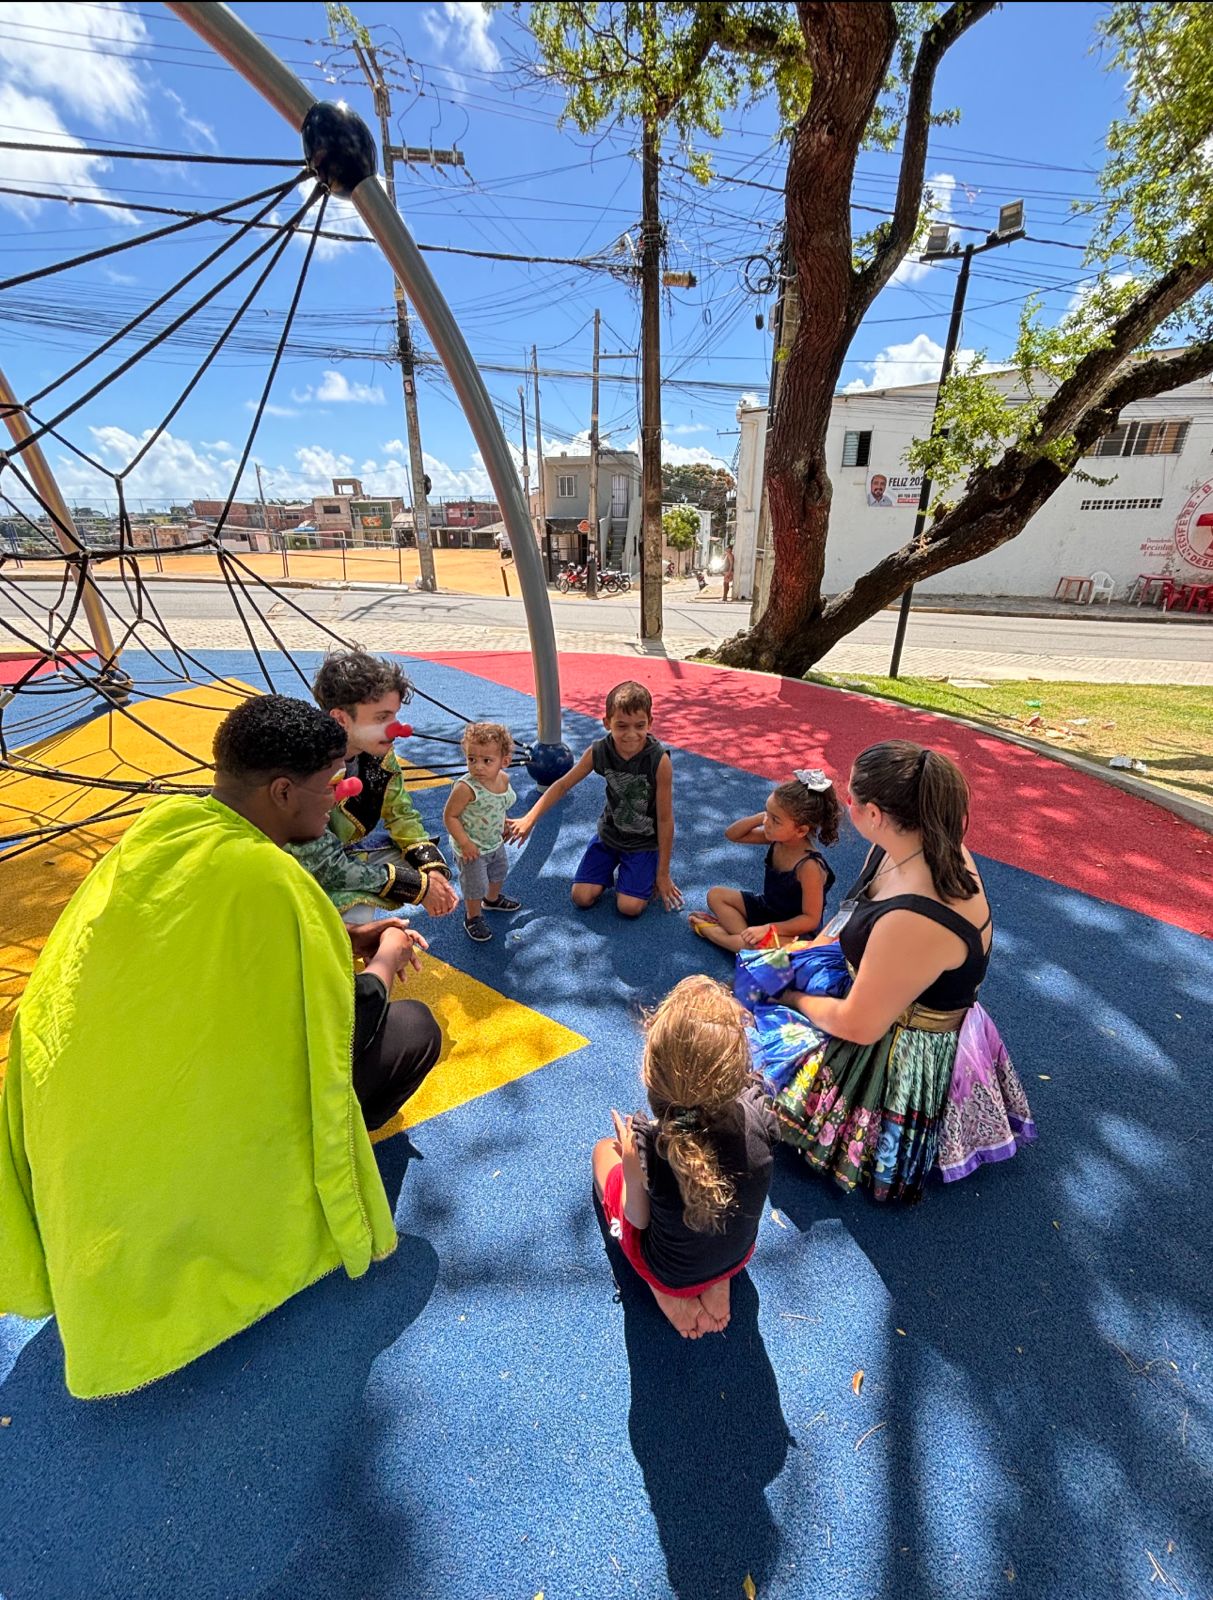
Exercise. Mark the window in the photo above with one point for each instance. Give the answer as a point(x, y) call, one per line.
point(566, 488)
point(1122, 505)
point(331, 511)
point(856, 448)
point(1143, 439)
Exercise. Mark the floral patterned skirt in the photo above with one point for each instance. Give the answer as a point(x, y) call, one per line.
point(889, 1114)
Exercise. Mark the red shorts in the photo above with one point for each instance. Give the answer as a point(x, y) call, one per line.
point(629, 1241)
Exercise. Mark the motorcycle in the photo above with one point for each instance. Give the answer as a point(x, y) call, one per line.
point(612, 581)
point(570, 578)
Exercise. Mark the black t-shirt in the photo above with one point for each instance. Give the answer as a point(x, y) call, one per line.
point(629, 818)
point(743, 1137)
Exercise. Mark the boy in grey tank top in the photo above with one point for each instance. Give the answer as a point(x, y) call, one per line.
point(635, 839)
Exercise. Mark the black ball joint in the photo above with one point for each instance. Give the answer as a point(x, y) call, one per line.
point(338, 147)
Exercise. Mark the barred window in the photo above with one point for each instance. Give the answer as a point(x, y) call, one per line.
point(856, 448)
point(1142, 439)
point(1122, 505)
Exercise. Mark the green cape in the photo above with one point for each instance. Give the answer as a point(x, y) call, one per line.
point(181, 1149)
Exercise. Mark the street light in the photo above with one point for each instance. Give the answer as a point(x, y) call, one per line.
point(1010, 227)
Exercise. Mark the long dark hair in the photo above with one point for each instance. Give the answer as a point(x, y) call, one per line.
point(926, 793)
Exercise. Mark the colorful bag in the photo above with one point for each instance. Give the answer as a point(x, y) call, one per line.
point(819, 969)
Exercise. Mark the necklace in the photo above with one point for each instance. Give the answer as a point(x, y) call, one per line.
point(890, 866)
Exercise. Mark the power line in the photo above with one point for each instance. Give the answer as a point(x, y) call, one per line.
point(585, 263)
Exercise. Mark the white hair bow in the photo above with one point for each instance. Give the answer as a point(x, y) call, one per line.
point(812, 778)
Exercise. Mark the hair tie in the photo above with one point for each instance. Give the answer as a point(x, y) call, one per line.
point(685, 1121)
point(812, 778)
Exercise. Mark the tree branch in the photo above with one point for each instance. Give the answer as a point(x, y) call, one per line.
point(936, 43)
point(987, 517)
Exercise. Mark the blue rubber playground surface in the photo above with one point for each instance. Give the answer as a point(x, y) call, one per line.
point(499, 1411)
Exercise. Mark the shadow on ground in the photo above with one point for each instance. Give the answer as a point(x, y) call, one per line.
point(213, 1482)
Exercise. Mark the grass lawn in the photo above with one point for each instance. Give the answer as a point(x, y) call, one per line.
point(1170, 729)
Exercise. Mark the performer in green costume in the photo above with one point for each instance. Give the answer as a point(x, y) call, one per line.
point(194, 1066)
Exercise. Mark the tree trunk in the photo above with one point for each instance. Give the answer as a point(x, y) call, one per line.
point(849, 46)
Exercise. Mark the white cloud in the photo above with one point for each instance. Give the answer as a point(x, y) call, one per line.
point(461, 27)
point(336, 389)
point(98, 81)
point(202, 131)
point(917, 361)
point(941, 190)
point(220, 446)
point(339, 217)
point(35, 119)
point(173, 470)
point(749, 401)
point(271, 410)
point(123, 280)
point(396, 447)
point(683, 455)
point(684, 428)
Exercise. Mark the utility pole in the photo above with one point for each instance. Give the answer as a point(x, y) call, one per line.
point(265, 516)
point(542, 537)
point(650, 365)
point(591, 570)
point(369, 62)
point(526, 465)
point(1010, 227)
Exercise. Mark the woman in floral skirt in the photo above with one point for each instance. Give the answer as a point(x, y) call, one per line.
point(869, 1097)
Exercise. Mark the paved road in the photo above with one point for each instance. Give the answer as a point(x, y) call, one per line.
point(959, 645)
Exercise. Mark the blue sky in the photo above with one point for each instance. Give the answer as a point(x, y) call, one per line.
point(1035, 104)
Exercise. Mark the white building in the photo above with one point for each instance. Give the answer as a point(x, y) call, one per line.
point(1155, 515)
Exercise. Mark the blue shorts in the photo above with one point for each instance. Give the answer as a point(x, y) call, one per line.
point(631, 872)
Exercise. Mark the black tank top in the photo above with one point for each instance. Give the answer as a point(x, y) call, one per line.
point(782, 892)
point(951, 991)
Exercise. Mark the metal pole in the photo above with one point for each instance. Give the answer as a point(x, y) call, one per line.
point(541, 542)
point(924, 498)
point(591, 568)
point(241, 47)
point(69, 539)
point(526, 464)
point(650, 366)
point(404, 335)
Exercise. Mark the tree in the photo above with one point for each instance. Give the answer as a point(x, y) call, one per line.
point(700, 485)
point(849, 73)
point(680, 527)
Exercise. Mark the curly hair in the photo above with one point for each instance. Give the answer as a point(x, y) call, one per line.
point(489, 733)
point(628, 698)
point(815, 809)
point(923, 792)
point(696, 1063)
point(273, 736)
point(352, 678)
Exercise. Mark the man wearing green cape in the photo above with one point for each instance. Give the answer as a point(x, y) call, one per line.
point(194, 1067)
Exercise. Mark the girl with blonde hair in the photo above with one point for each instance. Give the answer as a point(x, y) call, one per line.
point(684, 1188)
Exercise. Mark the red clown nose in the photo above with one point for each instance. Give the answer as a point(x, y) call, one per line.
point(399, 730)
point(347, 789)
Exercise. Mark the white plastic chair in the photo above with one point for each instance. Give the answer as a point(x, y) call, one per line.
point(1103, 587)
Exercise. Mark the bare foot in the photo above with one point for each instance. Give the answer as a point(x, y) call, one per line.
point(715, 934)
point(715, 1300)
point(684, 1314)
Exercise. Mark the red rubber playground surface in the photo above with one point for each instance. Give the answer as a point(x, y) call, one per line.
point(1029, 811)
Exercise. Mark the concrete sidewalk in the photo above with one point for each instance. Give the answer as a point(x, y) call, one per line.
point(379, 633)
